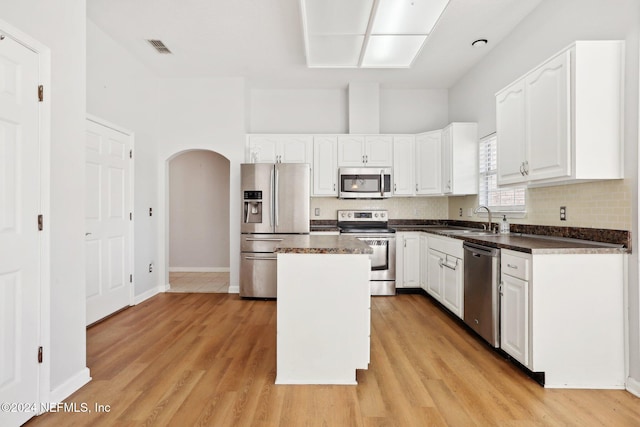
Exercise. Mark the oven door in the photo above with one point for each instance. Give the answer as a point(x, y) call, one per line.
point(369, 183)
point(383, 258)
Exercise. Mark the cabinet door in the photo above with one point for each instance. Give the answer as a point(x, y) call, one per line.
point(514, 318)
point(435, 274)
point(350, 151)
point(295, 149)
point(510, 122)
point(400, 260)
point(263, 148)
point(452, 286)
point(379, 151)
point(403, 160)
point(547, 109)
point(325, 165)
point(428, 162)
point(411, 260)
point(424, 259)
point(447, 170)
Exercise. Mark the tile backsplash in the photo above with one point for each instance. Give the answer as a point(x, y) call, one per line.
point(398, 207)
point(602, 204)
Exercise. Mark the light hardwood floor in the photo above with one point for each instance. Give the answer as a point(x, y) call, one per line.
point(210, 359)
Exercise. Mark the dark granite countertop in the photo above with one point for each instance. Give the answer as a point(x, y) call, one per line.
point(309, 244)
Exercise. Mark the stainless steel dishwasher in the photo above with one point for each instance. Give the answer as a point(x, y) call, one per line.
point(481, 294)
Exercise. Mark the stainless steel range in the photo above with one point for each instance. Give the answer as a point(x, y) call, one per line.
point(372, 227)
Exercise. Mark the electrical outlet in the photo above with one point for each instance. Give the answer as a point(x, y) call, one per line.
point(151, 268)
point(563, 213)
point(460, 212)
point(317, 211)
point(469, 212)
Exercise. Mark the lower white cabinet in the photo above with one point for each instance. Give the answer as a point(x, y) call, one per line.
point(562, 314)
point(424, 252)
point(514, 306)
point(408, 260)
point(445, 272)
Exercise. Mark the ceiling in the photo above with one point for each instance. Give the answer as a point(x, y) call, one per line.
point(262, 40)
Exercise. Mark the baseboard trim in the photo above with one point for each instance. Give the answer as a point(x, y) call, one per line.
point(198, 269)
point(633, 386)
point(234, 289)
point(70, 386)
point(148, 294)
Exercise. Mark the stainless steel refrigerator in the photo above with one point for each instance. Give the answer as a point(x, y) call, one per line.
point(275, 202)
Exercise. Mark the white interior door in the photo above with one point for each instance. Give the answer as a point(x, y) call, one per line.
point(107, 219)
point(20, 261)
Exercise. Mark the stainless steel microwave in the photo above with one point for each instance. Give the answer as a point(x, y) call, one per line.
point(364, 183)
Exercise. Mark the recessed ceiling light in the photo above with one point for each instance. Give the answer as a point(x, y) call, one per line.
point(479, 43)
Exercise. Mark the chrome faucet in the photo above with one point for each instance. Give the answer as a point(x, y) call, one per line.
point(488, 214)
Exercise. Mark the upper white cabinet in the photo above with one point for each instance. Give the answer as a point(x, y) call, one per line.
point(428, 175)
point(279, 149)
point(403, 162)
point(368, 150)
point(562, 121)
point(460, 159)
point(325, 165)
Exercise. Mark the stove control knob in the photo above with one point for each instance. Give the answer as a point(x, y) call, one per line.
point(376, 215)
point(382, 214)
point(349, 214)
point(343, 214)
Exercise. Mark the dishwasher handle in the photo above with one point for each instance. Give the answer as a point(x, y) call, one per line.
point(478, 250)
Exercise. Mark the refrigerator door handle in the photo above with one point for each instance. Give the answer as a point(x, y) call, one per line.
point(276, 196)
point(272, 199)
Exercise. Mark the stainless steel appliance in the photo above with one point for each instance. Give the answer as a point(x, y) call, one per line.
point(372, 228)
point(481, 293)
point(275, 202)
point(364, 183)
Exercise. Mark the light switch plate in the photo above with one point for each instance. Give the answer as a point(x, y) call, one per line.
point(317, 211)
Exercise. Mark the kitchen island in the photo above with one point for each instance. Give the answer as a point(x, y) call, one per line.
point(323, 309)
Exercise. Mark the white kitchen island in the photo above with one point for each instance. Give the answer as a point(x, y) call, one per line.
point(323, 309)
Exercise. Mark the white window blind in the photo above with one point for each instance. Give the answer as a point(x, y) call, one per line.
point(510, 199)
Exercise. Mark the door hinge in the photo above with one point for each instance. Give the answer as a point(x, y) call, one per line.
point(40, 93)
point(130, 216)
point(131, 278)
point(40, 222)
point(40, 354)
point(131, 154)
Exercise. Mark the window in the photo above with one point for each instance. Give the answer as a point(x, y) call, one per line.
point(509, 199)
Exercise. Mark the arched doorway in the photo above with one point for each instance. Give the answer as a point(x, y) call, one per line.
point(198, 213)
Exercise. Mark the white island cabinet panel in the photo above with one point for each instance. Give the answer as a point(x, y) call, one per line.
point(323, 318)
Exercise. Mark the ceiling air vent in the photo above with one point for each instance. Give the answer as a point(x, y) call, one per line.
point(159, 46)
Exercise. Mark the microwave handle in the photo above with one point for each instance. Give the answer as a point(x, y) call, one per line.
point(381, 182)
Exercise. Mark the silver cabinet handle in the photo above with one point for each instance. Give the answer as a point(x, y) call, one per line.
point(450, 267)
point(526, 167)
point(416, 187)
point(255, 258)
point(522, 168)
point(515, 267)
point(266, 239)
point(87, 234)
point(334, 186)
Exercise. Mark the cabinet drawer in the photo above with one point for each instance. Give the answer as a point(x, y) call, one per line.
point(515, 266)
point(446, 245)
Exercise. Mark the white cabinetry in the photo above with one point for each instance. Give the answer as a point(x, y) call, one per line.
point(279, 149)
point(403, 166)
point(428, 162)
point(445, 275)
point(408, 260)
point(365, 150)
point(514, 305)
point(562, 314)
point(325, 165)
point(562, 121)
point(424, 267)
point(460, 159)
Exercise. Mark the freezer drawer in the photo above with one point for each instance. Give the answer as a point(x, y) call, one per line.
point(258, 275)
point(260, 242)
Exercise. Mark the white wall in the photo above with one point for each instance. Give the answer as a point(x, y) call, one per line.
point(206, 114)
point(549, 28)
point(60, 25)
point(198, 211)
point(327, 110)
point(122, 91)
